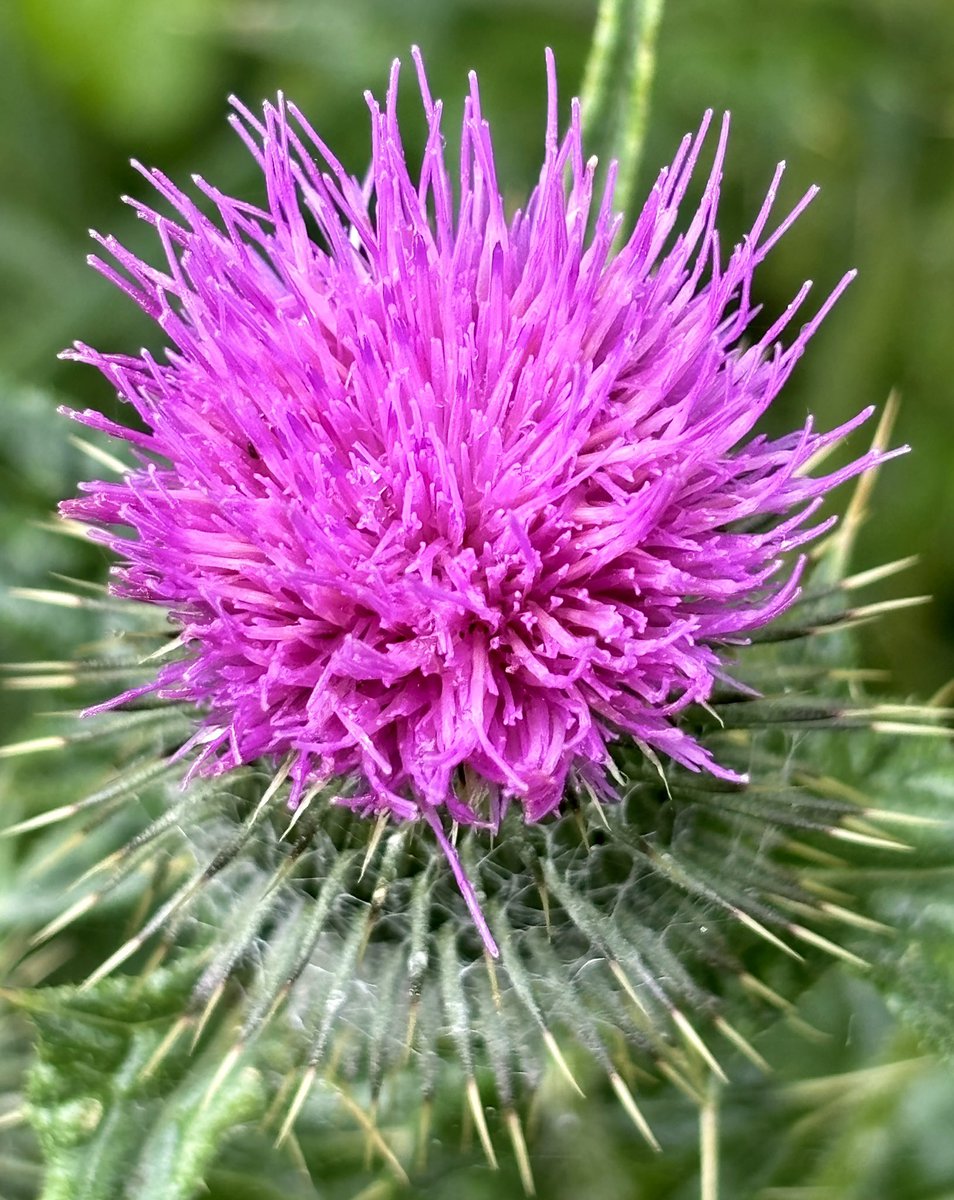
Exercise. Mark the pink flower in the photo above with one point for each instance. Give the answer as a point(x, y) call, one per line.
point(442, 499)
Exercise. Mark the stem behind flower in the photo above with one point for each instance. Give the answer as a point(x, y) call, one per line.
point(617, 86)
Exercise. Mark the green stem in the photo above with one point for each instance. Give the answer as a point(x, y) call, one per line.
point(709, 1143)
point(597, 89)
point(636, 111)
point(617, 86)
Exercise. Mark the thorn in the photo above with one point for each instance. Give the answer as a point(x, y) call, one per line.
point(48, 596)
point(275, 783)
point(595, 801)
point(857, 675)
point(37, 683)
point(867, 839)
point(764, 992)
point(842, 541)
point(103, 457)
point(812, 853)
point(36, 969)
point(494, 983)
point(178, 901)
point(545, 902)
point(809, 1032)
point(876, 574)
point(581, 825)
point(865, 612)
point(32, 746)
point(709, 1143)
point(126, 950)
point(379, 1190)
point(625, 1097)
point(51, 858)
point(298, 1158)
point(207, 1011)
point(45, 664)
point(840, 913)
point(301, 1095)
point(829, 788)
point(220, 1076)
point(480, 1121)
point(155, 959)
point(368, 1140)
point(824, 891)
point(73, 913)
point(757, 927)
point(374, 1133)
point(606, 825)
point(816, 939)
point(279, 877)
point(64, 527)
point(164, 1047)
point(717, 717)
point(903, 818)
point(654, 758)
point(899, 727)
point(104, 864)
point(412, 1014)
point(742, 1044)
point(303, 806)
point(557, 1055)
point(627, 985)
point(423, 1134)
point(278, 1101)
point(131, 945)
point(679, 1080)
point(520, 1152)
point(373, 842)
point(694, 1040)
point(167, 648)
point(616, 774)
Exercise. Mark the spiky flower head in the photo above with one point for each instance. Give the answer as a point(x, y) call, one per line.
point(443, 499)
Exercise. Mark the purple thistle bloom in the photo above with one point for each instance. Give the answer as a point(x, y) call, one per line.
point(448, 500)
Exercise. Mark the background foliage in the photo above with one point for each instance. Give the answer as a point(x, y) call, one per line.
point(858, 95)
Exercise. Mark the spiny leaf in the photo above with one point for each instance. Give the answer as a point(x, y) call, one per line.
point(915, 968)
point(109, 1131)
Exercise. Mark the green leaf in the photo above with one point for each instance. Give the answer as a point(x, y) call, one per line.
point(914, 894)
point(109, 1128)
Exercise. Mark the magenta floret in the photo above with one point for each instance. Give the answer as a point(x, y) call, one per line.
point(444, 499)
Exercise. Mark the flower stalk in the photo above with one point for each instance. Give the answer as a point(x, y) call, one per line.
point(616, 93)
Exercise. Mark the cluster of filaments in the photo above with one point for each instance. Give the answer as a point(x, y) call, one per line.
point(442, 500)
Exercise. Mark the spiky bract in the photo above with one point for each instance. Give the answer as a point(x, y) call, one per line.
point(642, 934)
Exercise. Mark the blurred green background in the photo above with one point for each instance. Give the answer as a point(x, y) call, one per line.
point(857, 95)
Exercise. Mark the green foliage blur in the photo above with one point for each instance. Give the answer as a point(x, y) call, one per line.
point(857, 95)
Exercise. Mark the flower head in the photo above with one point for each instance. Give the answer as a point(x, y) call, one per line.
point(443, 499)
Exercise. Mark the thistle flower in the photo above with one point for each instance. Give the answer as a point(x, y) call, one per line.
point(451, 509)
point(442, 500)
